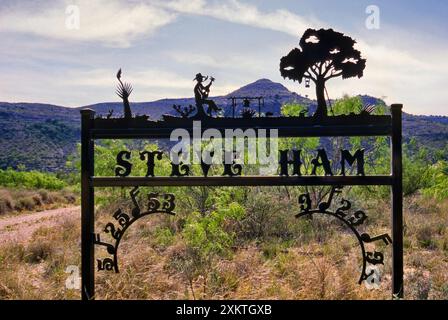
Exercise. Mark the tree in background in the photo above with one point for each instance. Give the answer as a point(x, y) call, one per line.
point(323, 55)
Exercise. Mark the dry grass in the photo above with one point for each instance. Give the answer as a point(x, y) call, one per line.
point(17, 201)
point(324, 266)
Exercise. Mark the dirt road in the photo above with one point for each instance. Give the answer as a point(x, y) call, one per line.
point(19, 228)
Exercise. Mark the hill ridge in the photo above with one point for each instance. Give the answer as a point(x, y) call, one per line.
point(41, 136)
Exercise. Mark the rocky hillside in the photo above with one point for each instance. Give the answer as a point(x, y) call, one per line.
point(41, 136)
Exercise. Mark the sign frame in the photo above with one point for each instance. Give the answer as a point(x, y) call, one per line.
point(347, 126)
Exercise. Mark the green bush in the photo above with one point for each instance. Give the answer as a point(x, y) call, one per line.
point(30, 180)
point(207, 234)
point(437, 176)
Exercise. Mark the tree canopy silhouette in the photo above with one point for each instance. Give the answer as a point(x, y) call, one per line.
point(323, 54)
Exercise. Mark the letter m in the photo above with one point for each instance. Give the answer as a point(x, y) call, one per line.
point(347, 157)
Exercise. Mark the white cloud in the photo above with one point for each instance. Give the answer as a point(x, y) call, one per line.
point(407, 72)
point(225, 60)
point(400, 77)
point(238, 12)
point(150, 84)
point(111, 22)
point(393, 71)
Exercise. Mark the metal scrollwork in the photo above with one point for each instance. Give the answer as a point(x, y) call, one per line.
point(157, 203)
point(121, 217)
point(352, 221)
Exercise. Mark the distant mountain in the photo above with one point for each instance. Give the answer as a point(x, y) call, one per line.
point(274, 94)
point(41, 136)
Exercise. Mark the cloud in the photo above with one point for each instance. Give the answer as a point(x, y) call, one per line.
point(394, 71)
point(238, 12)
point(224, 60)
point(400, 77)
point(148, 79)
point(110, 22)
point(412, 71)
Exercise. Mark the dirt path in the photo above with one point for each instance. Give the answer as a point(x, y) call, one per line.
point(20, 228)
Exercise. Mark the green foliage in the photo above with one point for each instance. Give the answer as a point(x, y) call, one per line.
point(36, 144)
point(164, 237)
point(207, 234)
point(30, 180)
point(348, 105)
point(415, 169)
point(293, 110)
point(437, 176)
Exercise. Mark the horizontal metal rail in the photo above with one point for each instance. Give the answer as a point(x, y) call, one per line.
point(218, 181)
point(305, 131)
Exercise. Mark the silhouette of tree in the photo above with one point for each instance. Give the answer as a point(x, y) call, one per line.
point(323, 55)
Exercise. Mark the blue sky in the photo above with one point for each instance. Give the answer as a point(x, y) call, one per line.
point(162, 44)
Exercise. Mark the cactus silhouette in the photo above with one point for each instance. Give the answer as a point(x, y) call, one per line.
point(124, 90)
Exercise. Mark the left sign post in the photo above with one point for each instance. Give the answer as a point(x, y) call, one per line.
point(87, 206)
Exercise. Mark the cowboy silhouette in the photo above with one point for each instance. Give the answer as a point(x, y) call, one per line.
point(201, 93)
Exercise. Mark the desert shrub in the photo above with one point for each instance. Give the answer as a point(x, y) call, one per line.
point(222, 281)
point(272, 249)
point(164, 237)
point(20, 199)
point(44, 195)
point(37, 200)
point(264, 218)
point(419, 286)
point(25, 203)
point(6, 202)
point(69, 196)
point(12, 253)
point(207, 234)
point(438, 181)
point(38, 251)
point(425, 237)
point(206, 238)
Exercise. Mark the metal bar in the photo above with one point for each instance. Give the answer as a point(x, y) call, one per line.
point(241, 181)
point(87, 206)
point(314, 131)
point(397, 202)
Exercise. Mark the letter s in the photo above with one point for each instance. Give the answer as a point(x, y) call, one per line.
point(123, 167)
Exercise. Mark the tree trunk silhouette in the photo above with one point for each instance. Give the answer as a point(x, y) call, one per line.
point(321, 110)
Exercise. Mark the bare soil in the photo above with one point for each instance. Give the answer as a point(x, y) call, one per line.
point(19, 228)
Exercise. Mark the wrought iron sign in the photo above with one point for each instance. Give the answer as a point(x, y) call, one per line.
point(290, 167)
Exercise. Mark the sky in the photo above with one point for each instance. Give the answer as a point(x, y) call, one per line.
point(67, 52)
